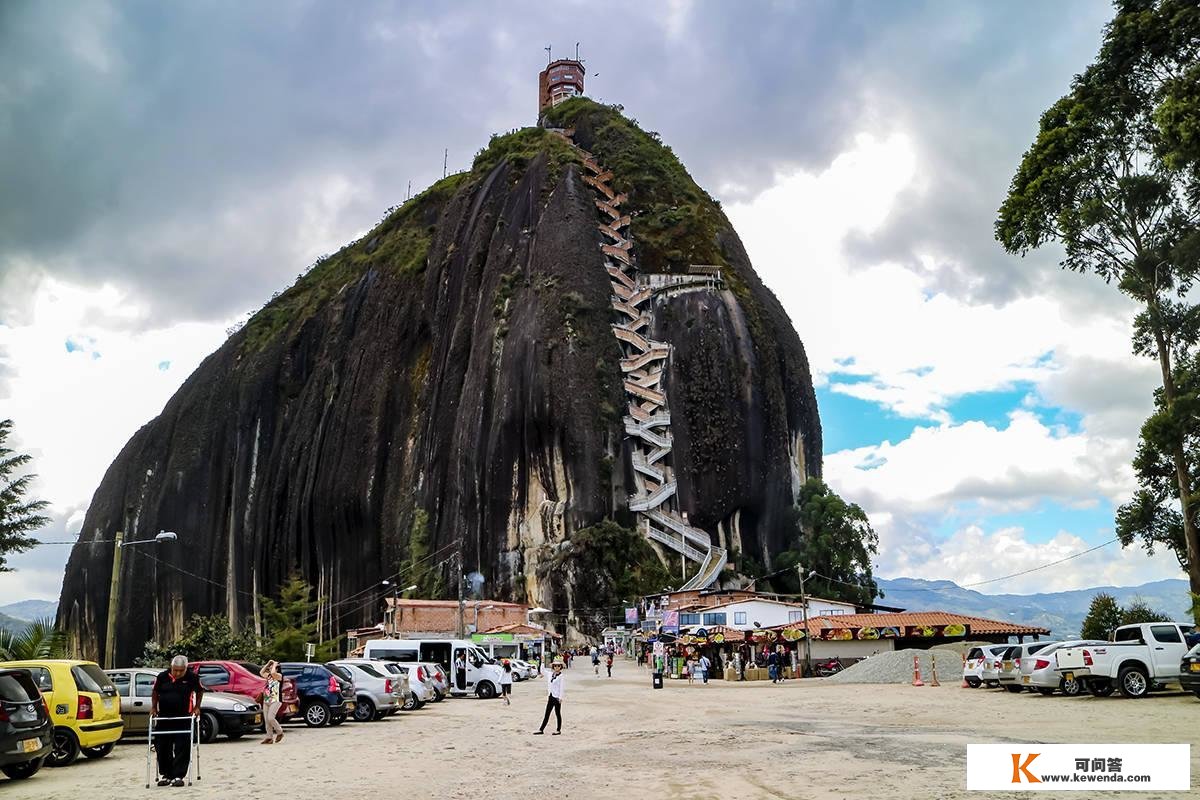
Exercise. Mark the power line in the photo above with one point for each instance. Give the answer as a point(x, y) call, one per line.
point(1043, 566)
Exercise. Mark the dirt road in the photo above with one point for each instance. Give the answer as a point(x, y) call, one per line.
point(623, 740)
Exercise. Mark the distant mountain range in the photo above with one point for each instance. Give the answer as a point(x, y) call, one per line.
point(1061, 612)
point(15, 616)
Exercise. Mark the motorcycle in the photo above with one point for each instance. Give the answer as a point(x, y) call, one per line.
point(831, 667)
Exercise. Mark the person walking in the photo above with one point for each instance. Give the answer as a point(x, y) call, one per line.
point(506, 679)
point(177, 692)
point(773, 666)
point(608, 664)
point(272, 702)
point(554, 695)
point(596, 661)
point(691, 669)
point(460, 671)
point(704, 665)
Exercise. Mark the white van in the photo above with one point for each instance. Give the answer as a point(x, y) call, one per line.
point(483, 674)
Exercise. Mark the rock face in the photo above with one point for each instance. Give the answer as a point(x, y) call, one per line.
point(451, 377)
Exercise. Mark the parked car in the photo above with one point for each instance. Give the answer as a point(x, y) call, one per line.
point(441, 681)
point(83, 707)
point(417, 696)
point(233, 715)
point(978, 659)
point(992, 664)
point(26, 733)
point(483, 674)
point(1010, 667)
point(325, 699)
point(377, 692)
point(1189, 671)
point(1040, 672)
point(522, 670)
point(242, 677)
point(1140, 658)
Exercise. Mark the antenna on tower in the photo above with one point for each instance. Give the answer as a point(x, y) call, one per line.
point(577, 51)
point(445, 160)
point(548, 59)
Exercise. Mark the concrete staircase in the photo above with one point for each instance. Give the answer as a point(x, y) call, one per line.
point(648, 423)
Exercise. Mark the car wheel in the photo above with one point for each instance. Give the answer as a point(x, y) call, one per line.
point(1070, 688)
point(1100, 688)
point(65, 749)
point(364, 711)
point(1012, 687)
point(1133, 682)
point(410, 702)
point(485, 690)
point(973, 682)
point(439, 696)
point(209, 727)
point(100, 751)
point(19, 772)
point(316, 714)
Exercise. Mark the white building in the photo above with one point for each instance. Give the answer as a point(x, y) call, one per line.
point(751, 614)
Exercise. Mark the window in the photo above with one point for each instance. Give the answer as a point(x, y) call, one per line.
point(795, 616)
point(1128, 635)
point(689, 619)
point(90, 678)
point(143, 685)
point(739, 618)
point(16, 689)
point(121, 681)
point(715, 618)
point(213, 675)
point(41, 677)
point(1165, 633)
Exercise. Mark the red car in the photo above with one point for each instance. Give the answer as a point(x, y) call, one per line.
point(240, 677)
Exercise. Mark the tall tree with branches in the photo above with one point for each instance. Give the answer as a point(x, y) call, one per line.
point(18, 516)
point(1112, 178)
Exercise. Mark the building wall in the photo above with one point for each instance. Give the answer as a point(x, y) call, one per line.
point(818, 607)
point(444, 618)
point(851, 649)
point(768, 614)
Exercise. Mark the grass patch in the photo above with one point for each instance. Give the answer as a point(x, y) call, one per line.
point(521, 147)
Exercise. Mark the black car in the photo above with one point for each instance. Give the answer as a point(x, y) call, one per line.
point(25, 728)
point(1189, 671)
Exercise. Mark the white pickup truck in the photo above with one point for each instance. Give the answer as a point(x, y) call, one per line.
point(1140, 658)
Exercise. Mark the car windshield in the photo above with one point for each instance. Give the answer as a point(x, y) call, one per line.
point(340, 671)
point(90, 678)
point(17, 689)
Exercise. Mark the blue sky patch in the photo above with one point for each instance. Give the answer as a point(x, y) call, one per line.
point(73, 346)
point(163, 366)
point(848, 422)
point(1093, 524)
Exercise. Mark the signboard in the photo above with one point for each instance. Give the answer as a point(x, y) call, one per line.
point(670, 622)
point(660, 649)
point(631, 616)
point(310, 650)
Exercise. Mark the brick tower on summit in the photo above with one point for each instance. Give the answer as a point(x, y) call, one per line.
point(560, 80)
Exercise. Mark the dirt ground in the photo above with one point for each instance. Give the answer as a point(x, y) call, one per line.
point(624, 740)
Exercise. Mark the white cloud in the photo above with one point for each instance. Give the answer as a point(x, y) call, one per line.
point(75, 407)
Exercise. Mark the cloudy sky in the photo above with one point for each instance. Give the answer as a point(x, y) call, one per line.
point(167, 167)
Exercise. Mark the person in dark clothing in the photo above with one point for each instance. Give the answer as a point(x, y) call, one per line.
point(177, 693)
point(460, 672)
point(773, 666)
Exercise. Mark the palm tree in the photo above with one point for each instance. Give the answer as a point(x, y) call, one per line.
point(40, 639)
point(17, 515)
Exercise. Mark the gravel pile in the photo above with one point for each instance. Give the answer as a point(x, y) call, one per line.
point(897, 667)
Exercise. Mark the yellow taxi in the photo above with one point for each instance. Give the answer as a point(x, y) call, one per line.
point(84, 707)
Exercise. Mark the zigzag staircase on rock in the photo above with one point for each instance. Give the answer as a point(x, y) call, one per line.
point(649, 420)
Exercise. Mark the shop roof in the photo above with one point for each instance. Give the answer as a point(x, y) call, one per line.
point(520, 628)
point(978, 625)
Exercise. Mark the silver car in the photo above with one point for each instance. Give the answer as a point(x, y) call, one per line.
point(982, 665)
point(378, 693)
point(1010, 666)
point(1040, 673)
point(420, 686)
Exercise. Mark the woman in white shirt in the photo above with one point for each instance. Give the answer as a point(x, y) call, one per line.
point(554, 687)
point(506, 682)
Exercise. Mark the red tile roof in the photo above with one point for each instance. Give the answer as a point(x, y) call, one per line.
point(517, 627)
point(978, 625)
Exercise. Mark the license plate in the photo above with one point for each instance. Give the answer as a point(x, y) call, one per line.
point(1194, 667)
point(1026, 679)
point(349, 706)
point(31, 745)
point(1068, 676)
point(258, 719)
point(1007, 666)
point(292, 709)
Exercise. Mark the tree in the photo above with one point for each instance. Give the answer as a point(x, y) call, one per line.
point(825, 533)
point(1103, 616)
point(205, 638)
point(39, 639)
point(18, 516)
point(1138, 612)
point(291, 622)
point(1111, 177)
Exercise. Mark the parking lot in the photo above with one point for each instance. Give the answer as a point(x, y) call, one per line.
point(809, 739)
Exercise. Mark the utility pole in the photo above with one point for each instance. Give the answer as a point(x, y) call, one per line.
point(804, 611)
point(114, 589)
point(445, 160)
point(458, 575)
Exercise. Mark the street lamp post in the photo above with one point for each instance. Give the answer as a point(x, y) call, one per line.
point(804, 612)
point(396, 590)
point(114, 587)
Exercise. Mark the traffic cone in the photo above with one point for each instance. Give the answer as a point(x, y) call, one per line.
point(917, 671)
point(965, 685)
point(934, 682)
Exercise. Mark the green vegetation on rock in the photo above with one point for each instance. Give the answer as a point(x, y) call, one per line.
point(520, 147)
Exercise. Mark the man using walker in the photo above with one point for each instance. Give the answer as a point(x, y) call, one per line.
point(175, 709)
